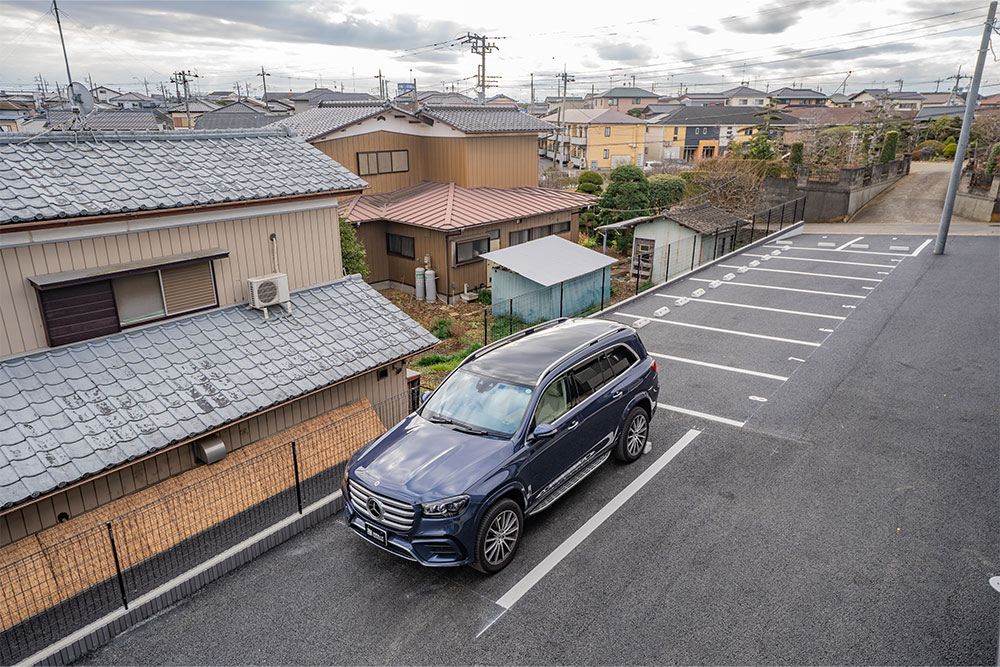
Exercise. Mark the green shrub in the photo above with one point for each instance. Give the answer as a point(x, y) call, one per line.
point(951, 140)
point(889, 145)
point(352, 250)
point(623, 240)
point(665, 190)
point(797, 151)
point(587, 220)
point(442, 328)
point(936, 146)
point(950, 150)
point(993, 159)
point(588, 241)
point(627, 195)
point(774, 170)
point(446, 362)
point(485, 296)
point(589, 176)
point(589, 188)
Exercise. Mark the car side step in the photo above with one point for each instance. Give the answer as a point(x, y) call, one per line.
point(569, 483)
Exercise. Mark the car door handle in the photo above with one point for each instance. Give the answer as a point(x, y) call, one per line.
point(618, 394)
point(572, 426)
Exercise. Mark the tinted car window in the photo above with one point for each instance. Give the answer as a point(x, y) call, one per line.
point(478, 401)
point(591, 376)
point(620, 359)
point(554, 401)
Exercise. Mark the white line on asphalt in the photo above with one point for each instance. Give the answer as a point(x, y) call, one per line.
point(702, 415)
point(732, 369)
point(786, 289)
point(826, 261)
point(850, 252)
point(827, 244)
point(920, 247)
point(805, 273)
point(795, 359)
point(849, 243)
point(518, 590)
point(727, 331)
point(904, 248)
point(746, 305)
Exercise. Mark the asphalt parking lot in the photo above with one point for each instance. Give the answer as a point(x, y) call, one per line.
point(849, 518)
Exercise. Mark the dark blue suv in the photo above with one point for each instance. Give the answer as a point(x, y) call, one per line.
point(507, 433)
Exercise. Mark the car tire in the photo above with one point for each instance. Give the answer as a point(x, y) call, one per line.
point(498, 536)
point(635, 432)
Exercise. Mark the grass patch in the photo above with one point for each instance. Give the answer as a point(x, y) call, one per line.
point(446, 362)
point(442, 328)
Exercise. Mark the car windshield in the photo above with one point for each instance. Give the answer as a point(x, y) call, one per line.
point(479, 403)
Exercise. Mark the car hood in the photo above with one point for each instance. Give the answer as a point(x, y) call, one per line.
point(427, 461)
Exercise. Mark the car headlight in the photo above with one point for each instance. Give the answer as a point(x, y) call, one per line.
point(446, 507)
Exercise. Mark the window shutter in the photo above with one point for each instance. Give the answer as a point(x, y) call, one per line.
point(188, 287)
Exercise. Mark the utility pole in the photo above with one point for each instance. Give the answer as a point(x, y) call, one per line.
point(937, 85)
point(633, 80)
point(183, 78)
point(566, 78)
point(481, 46)
point(958, 80)
point(238, 96)
point(74, 102)
point(532, 93)
point(382, 85)
point(90, 79)
point(900, 82)
point(263, 79)
point(963, 138)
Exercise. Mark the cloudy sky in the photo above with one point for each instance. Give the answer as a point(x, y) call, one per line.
point(665, 45)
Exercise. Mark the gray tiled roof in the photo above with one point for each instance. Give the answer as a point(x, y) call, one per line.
point(703, 218)
point(314, 123)
point(475, 119)
point(234, 116)
point(626, 92)
point(104, 120)
point(75, 411)
point(71, 174)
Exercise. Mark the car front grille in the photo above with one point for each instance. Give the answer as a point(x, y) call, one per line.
point(395, 514)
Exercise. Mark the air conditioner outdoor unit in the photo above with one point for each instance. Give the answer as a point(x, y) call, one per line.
point(266, 291)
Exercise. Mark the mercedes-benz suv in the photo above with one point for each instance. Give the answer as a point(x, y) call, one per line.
point(505, 435)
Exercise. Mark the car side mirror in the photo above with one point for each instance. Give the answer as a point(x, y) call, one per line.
point(424, 395)
point(543, 431)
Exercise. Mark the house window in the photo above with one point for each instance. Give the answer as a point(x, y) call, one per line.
point(689, 153)
point(636, 100)
point(605, 153)
point(607, 131)
point(383, 162)
point(400, 246)
point(708, 151)
point(560, 227)
point(697, 130)
point(469, 251)
point(612, 103)
point(518, 237)
point(748, 131)
point(675, 133)
point(743, 102)
point(138, 298)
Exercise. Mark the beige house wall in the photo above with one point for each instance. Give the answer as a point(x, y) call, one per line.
point(308, 251)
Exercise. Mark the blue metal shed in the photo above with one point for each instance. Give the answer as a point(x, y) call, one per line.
point(548, 277)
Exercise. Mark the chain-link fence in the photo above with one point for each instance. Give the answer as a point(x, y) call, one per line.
point(585, 295)
point(58, 581)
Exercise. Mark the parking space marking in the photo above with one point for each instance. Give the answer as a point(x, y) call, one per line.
point(920, 247)
point(851, 252)
point(804, 273)
point(745, 305)
point(518, 590)
point(731, 369)
point(827, 261)
point(734, 332)
point(702, 415)
point(786, 289)
point(850, 242)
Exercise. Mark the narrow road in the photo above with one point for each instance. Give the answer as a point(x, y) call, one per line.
point(918, 198)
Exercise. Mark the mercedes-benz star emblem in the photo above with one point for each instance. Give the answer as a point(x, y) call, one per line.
point(375, 508)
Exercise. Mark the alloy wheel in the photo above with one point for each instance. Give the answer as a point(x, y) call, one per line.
point(637, 434)
point(501, 537)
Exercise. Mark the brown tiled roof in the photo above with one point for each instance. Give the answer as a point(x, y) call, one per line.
point(447, 206)
point(703, 218)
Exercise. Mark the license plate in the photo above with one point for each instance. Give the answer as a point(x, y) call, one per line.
point(376, 534)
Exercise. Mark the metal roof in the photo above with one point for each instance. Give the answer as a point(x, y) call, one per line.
point(598, 116)
point(104, 120)
point(74, 174)
point(624, 91)
point(473, 119)
point(447, 206)
point(928, 113)
point(77, 410)
point(549, 260)
point(687, 115)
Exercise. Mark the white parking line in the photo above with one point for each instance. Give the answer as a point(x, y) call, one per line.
point(824, 261)
point(731, 369)
point(716, 329)
point(850, 252)
point(804, 273)
point(850, 242)
point(703, 415)
point(745, 305)
point(786, 289)
point(518, 590)
point(920, 247)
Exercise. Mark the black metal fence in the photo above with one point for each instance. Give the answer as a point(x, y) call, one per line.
point(630, 276)
point(60, 581)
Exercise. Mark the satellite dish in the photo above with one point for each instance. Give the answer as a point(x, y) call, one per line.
point(80, 96)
